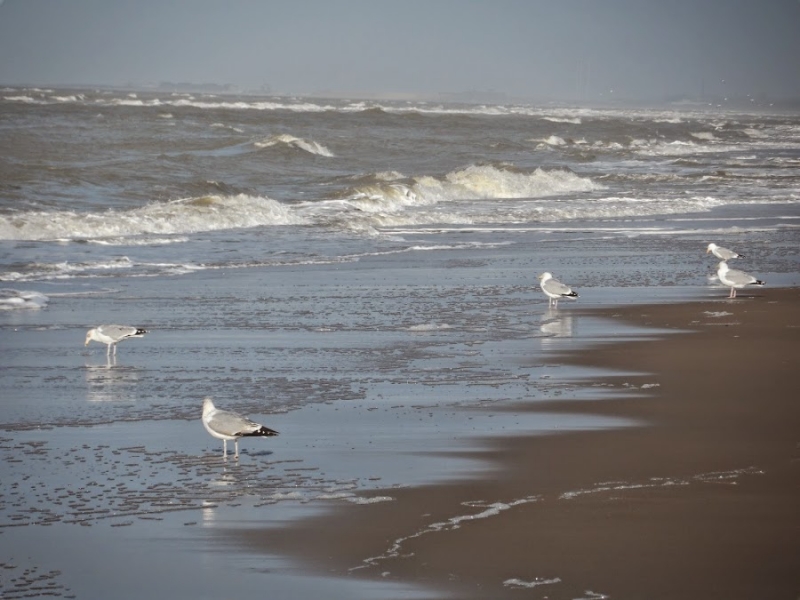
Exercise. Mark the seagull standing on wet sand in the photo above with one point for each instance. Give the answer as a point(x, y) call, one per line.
point(722, 253)
point(112, 335)
point(735, 279)
point(226, 425)
point(554, 289)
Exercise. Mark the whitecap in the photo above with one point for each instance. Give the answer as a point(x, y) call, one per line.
point(425, 327)
point(189, 215)
point(703, 135)
point(291, 141)
point(573, 120)
point(475, 182)
point(554, 140)
point(22, 300)
point(66, 270)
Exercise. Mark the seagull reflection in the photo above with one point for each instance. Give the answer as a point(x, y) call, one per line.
point(555, 324)
point(110, 383)
point(209, 512)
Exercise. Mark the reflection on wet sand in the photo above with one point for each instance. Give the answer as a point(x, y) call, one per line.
point(555, 324)
point(107, 383)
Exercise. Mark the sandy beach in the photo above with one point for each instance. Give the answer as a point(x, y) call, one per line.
point(700, 501)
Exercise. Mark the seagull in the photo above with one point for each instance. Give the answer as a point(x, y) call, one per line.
point(226, 425)
point(722, 253)
point(735, 279)
point(554, 289)
point(112, 335)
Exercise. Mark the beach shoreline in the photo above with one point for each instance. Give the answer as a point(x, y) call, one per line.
point(699, 501)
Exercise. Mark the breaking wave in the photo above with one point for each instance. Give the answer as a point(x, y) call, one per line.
point(476, 182)
point(191, 215)
point(22, 300)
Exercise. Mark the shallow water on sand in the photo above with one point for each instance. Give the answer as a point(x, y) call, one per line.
point(385, 372)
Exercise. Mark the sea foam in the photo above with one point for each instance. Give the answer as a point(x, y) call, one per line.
point(190, 215)
point(22, 300)
point(476, 182)
point(290, 141)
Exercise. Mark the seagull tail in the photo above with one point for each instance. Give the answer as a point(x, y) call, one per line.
point(261, 432)
point(140, 331)
point(571, 295)
point(759, 282)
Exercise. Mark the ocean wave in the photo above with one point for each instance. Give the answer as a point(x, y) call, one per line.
point(22, 300)
point(214, 104)
point(24, 99)
point(66, 270)
point(572, 120)
point(224, 126)
point(476, 182)
point(680, 147)
point(190, 215)
point(531, 211)
point(366, 204)
point(244, 102)
point(108, 268)
point(555, 140)
point(290, 141)
point(703, 135)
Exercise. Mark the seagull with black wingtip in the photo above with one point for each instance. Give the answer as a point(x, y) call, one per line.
point(227, 426)
point(111, 335)
point(554, 289)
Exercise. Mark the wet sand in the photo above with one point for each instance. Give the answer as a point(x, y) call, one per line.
point(701, 501)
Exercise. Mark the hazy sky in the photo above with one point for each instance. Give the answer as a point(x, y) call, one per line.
point(524, 48)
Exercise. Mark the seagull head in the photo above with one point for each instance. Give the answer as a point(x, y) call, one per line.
point(89, 336)
point(710, 248)
point(208, 405)
point(545, 276)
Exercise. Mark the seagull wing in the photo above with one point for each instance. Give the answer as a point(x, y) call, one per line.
point(118, 332)
point(230, 423)
point(739, 277)
point(553, 286)
point(726, 254)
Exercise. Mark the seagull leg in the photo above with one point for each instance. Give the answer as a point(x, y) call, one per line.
point(225, 449)
point(236, 445)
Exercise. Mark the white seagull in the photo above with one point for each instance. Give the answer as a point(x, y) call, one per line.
point(554, 289)
point(735, 279)
point(112, 335)
point(722, 253)
point(226, 425)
